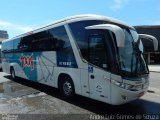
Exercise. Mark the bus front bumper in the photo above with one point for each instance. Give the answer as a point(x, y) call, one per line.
point(120, 95)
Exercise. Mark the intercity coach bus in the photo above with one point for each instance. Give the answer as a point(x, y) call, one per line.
point(90, 55)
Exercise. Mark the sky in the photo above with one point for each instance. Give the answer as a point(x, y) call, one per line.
point(20, 16)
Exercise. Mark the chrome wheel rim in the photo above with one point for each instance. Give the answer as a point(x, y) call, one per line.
point(67, 88)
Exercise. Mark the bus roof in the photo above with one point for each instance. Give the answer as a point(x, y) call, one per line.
point(75, 19)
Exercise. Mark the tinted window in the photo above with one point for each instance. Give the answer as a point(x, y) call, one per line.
point(7, 46)
point(16, 44)
point(65, 55)
point(4, 46)
point(10, 45)
point(25, 43)
point(60, 38)
point(49, 40)
point(42, 42)
point(97, 51)
point(79, 32)
point(37, 42)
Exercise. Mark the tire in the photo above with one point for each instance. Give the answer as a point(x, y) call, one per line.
point(67, 88)
point(13, 75)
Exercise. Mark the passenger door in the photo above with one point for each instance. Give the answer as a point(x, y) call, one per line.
point(99, 77)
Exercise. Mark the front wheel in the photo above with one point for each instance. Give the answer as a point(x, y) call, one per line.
point(67, 88)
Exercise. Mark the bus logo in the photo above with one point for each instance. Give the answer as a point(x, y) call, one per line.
point(90, 69)
point(27, 61)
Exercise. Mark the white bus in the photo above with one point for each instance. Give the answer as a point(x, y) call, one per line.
point(89, 55)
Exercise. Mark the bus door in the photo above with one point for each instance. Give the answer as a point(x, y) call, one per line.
point(98, 75)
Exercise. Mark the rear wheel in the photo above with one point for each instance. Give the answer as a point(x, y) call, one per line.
point(12, 71)
point(67, 87)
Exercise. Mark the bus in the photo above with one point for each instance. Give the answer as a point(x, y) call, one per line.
point(90, 55)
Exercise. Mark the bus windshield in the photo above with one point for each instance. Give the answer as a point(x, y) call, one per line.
point(132, 63)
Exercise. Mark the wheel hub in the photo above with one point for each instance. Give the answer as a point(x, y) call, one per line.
point(67, 88)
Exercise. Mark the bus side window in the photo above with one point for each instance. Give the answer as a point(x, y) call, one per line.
point(98, 51)
point(4, 47)
point(61, 39)
point(42, 41)
point(64, 51)
point(9, 46)
point(25, 43)
point(59, 45)
point(16, 44)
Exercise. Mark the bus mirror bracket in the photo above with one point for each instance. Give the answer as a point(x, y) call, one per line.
point(119, 33)
point(150, 38)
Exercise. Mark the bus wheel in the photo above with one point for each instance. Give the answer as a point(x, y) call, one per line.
point(67, 87)
point(12, 71)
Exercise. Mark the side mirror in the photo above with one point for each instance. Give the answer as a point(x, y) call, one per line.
point(150, 38)
point(119, 33)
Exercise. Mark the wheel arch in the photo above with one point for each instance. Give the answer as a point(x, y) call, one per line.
point(10, 68)
point(13, 65)
point(60, 79)
point(74, 74)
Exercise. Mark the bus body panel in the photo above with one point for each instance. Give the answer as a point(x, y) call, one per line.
point(46, 62)
point(99, 84)
point(85, 82)
point(121, 96)
point(6, 60)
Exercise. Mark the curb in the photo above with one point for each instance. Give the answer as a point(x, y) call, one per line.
point(155, 71)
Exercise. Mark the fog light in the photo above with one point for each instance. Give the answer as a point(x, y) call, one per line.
point(140, 94)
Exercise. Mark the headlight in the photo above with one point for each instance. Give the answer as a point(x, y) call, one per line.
point(127, 86)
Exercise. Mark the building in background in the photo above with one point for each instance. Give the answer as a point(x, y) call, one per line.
point(151, 56)
point(3, 35)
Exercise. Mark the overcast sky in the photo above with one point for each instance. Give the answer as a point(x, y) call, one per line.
point(19, 16)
